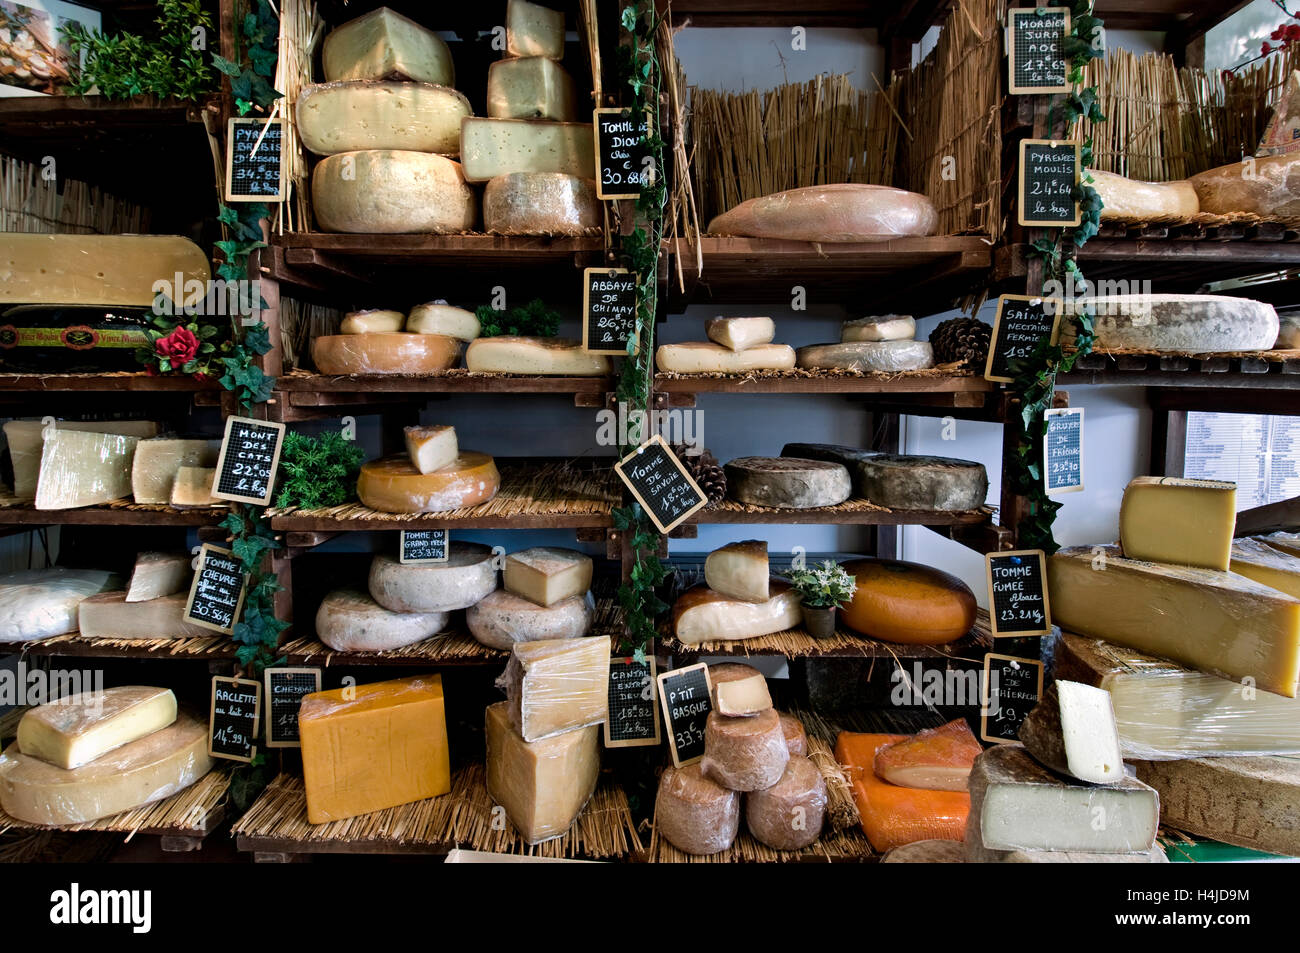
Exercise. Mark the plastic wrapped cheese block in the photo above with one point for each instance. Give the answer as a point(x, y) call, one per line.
point(349, 620)
point(368, 747)
point(1288, 543)
point(842, 212)
point(156, 463)
point(908, 603)
point(881, 357)
point(1194, 324)
point(740, 570)
point(119, 270)
point(540, 203)
point(936, 759)
point(739, 334)
point(701, 357)
point(431, 447)
point(534, 30)
point(694, 814)
point(83, 469)
point(1272, 567)
point(1133, 199)
point(107, 615)
point(530, 87)
point(438, 317)
point(26, 439)
point(193, 488)
point(926, 852)
point(1179, 521)
point(888, 327)
point(557, 685)
point(398, 353)
point(393, 485)
point(39, 603)
point(383, 44)
point(702, 615)
point(493, 147)
point(372, 321)
point(557, 357)
point(391, 191)
point(358, 115)
point(1264, 186)
point(547, 574)
point(77, 729)
point(917, 482)
point(787, 482)
point(463, 579)
point(789, 814)
point(146, 770)
point(744, 754)
point(500, 619)
point(159, 574)
point(1072, 731)
point(796, 738)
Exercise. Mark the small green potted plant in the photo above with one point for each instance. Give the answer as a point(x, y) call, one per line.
point(822, 589)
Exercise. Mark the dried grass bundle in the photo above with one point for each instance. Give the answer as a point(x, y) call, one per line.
point(301, 29)
point(28, 203)
point(301, 321)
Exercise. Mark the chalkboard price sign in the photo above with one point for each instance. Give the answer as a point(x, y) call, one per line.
point(660, 483)
point(250, 454)
point(285, 690)
point(423, 546)
point(1063, 450)
point(1035, 50)
point(633, 719)
point(623, 160)
point(217, 592)
point(1022, 322)
point(685, 693)
point(1011, 688)
point(609, 311)
point(1049, 171)
point(254, 171)
point(234, 718)
point(1018, 593)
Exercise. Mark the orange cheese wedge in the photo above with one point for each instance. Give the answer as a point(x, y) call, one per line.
point(937, 759)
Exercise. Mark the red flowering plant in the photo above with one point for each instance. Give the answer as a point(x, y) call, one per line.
point(184, 341)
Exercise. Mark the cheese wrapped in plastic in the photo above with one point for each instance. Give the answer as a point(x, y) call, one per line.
point(540, 203)
point(557, 685)
point(39, 603)
point(843, 212)
point(695, 814)
point(84, 469)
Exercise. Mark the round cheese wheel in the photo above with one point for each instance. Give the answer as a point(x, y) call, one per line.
point(705, 357)
point(1288, 335)
point(694, 814)
point(562, 357)
point(389, 191)
point(371, 322)
point(843, 212)
point(889, 327)
point(1267, 186)
point(386, 353)
point(744, 754)
point(1193, 324)
point(380, 114)
point(348, 620)
point(1133, 199)
point(787, 482)
point(908, 603)
point(500, 619)
point(796, 738)
point(917, 482)
point(728, 672)
point(394, 485)
point(466, 577)
point(789, 814)
point(540, 203)
point(882, 357)
point(928, 851)
point(438, 317)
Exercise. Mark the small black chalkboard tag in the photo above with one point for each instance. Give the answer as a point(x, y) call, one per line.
point(633, 715)
point(254, 170)
point(1018, 593)
point(217, 592)
point(623, 160)
point(1022, 322)
point(235, 715)
point(1036, 57)
point(1011, 688)
point(660, 483)
point(687, 701)
point(1049, 171)
point(1063, 450)
point(609, 311)
point(423, 546)
point(250, 453)
point(285, 690)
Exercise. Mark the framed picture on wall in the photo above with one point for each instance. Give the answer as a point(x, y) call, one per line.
point(34, 59)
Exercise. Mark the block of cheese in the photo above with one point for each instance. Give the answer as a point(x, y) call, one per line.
point(349, 620)
point(463, 579)
point(159, 574)
point(1180, 323)
point(1217, 622)
point(540, 203)
point(543, 785)
point(500, 619)
point(534, 30)
point(695, 814)
point(38, 603)
point(701, 357)
point(530, 87)
point(431, 447)
point(107, 615)
point(1134, 199)
point(558, 357)
point(740, 571)
point(156, 462)
point(744, 754)
point(141, 772)
point(1271, 567)
point(1288, 543)
point(1017, 804)
point(843, 212)
point(1288, 334)
point(908, 603)
point(77, 729)
point(1263, 186)
point(744, 696)
point(438, 317)
point(384, 353)
point(26, 441)
point(918, 482)
point(547, 574)
point(368, 747)
point(1072, 730)
point(739, 334)
point(193, 488)
point(392, 485)
point(362, 114)
point(392, 191)
point(557, 685)
point(849, 457)
point(796, 738)
point(492, 147)
point(116, 270)
point(1179, 521)
point(789, 814)
point(383, 44)
point(977, 853)
point(936, 759)
point(927, 852)
point(82, 469)
point(371, 321)
point(787, 482)
point(886, 357)
point(883, 327)
point(702, 615)
point(721, 672)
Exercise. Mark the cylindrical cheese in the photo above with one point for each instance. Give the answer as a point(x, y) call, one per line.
point(705, 357)
point(728, 672)
point(744, 754)
point(929, 851)
point(394, 485)
point(1182, 323)
point(789, 814)
point(908, 603)
point(1133, 199)
point(561, 357)
point(500, 619)
point(917, 482)
point(438, 317)
point(888, 327)
point(348, 620)
point(466, 577)
point(391, 191)
point(395, 353)
point(1267, 186)
point(796, 738)
point(843, 212)
point(352, 116)
point(694, 814)
point(540, 203)
point(787, 482)
point(702, 615)
point(372, 321)
point(882, 357)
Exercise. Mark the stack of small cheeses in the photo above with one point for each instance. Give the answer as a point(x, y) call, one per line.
point(433, 476)
point(876, 344)
point(735, 345)
point(739, 599)
point(379, 341)
point(545, 597)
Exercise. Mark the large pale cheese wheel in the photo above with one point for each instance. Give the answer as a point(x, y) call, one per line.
point(438, 317)
point(887, 357)
point(744, 754)
point(702, 615)
point(372, 321)
point(107, 615)
point(466, 577)
point(383, 44)
point(705, 357)
point(918, 482)
point(789, 814)
point(99, 270)
point(352, 116)
point(500, 619)
point(1182, 323)
point(887, 327)
point(787, 482)
point(391, 191)
point(1133, 199)
point(1268, 186)
point(850, 457)
point(561, 357)
point(908, 603)
point(540, 203)
point(384, 353)
point(394, 485)
point(796, 738)
point(694, 814)
point(38, 603)
point(843, 212)
point(349, 620)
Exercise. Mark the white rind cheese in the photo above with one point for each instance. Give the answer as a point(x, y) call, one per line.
point(739, 334)
point(374, 321)
point(38, 603)
point(110, 270)
point(739, 570)
point(889, 327)
point(26, 440)
point(881, 357)
point(540, 203)
point(466, 577)
point(547, 574)
point(76, 729)
point(157, 461)
point(530, 87)
point(383, 44)
point(556, 357)
point(159, 574)
point(384, 353)
point(703, 357)
point(350, 621)
point(353, 116)
point(431, 448)
point(534, 30)
point(1194, 324)
point(1133, 199)
point(435, 317)
point(108, 615)
point(500, 619)
point(390, 191)
point(84, 469)
point(702, 615)
point(787, 482)
point(493, 147)
point(1072, 731)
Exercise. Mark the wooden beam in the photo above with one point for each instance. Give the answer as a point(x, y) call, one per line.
point(1282, 516)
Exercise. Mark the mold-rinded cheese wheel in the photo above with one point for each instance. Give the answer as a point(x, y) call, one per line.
point(695, 814)
point(26, 439)
point(908, 603)
point(38, 603)
point(493, 147)
point(193, 488)
point(849, 457)
point(728, 672)
point(107, 615)
point(465, 578)
point(887, 327)
point(557, 685)
point(976, 853)
point(500, 619)
point(393, 485)
point(918, 482)
point(1263, 186)
point(1264, 564)
point(1072, 730)
point(1178, 521)
point(530, 87)
point(705, 357)
point(146, 770)
point(386, 45)
point(740, 571)
point(876, 356)
point(559, 357)
point(787, 482)
point(702, 615)
point(936, 759)
point(159, 574)
point(742, 697)
point(534, 30)
point(431, 447)
point(796, 738)
point(789, 814)
point(927, 852)
point(396, 353)
point(354, 116)
point(373, 321)
point(83, 469)
point(1288, 334)
point(547, 574)
point(843, 212)
point(744, 754)
point(77, 729)
point(739, 334)
point(156, 462)
point(391, 191)
point(438, 317)
point(1183, 323)
point(1134, 199)
point(540, 203)
point(108, 270)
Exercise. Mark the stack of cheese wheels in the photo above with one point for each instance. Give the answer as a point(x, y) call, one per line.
point(434, 476)
point(734, 345)
point(879, 344)
point(738, 600)
point(831, 213)
point(383, 341)
point(904, 481)
point(908, 603)
point(545, 596)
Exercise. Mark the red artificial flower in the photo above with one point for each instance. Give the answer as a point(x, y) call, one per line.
point(180, 346)
point(1266, 49)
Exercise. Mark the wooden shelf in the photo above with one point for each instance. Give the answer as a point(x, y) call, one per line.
point(852, 512)
point(915, 392)
point(215, 647)
point(1277, 372)
point(127, 514)
point(454, 648)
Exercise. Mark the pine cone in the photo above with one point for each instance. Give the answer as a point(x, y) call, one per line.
point(961, 339)
point(705, 471)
